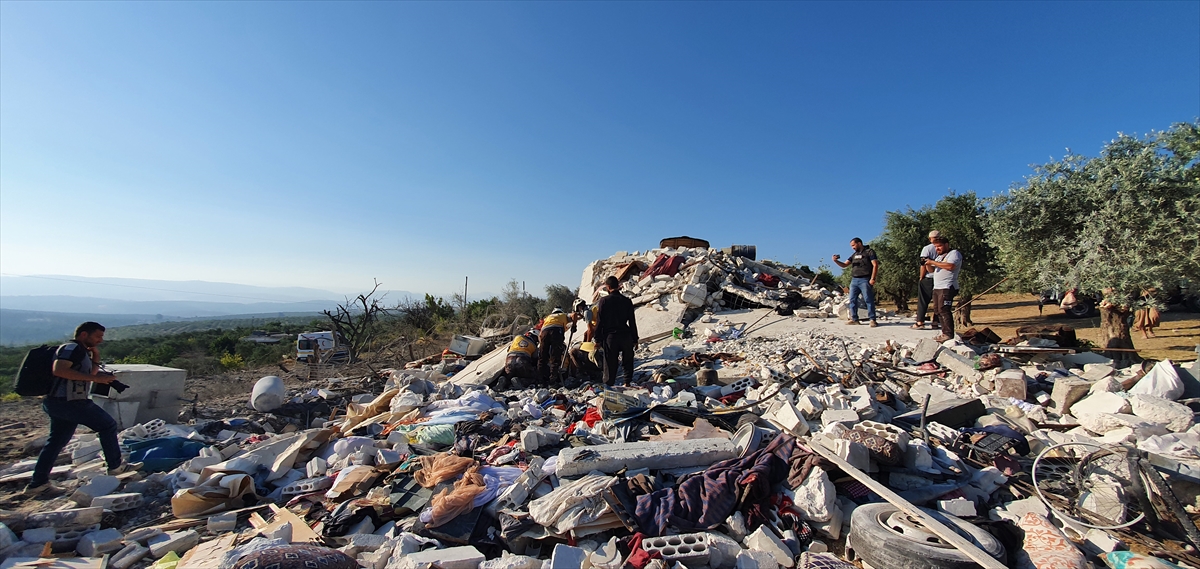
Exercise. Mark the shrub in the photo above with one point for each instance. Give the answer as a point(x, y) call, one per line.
point(233, 361)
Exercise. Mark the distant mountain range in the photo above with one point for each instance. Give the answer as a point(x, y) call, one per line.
point(45, 308)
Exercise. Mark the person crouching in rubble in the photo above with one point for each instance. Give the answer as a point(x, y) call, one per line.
point(616, 330)
point(945, 285)
point(553, 340)
point(521, 363)
point(69, 404)
point(863, 268)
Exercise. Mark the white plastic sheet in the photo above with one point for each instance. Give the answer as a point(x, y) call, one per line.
point(1160, 381)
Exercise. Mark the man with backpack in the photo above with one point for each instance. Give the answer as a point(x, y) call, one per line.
point(76, 367)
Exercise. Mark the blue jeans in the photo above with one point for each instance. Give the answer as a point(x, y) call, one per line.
point(64, 417)
point(862, 286)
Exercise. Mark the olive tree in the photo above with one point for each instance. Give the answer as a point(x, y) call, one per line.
point(1117, 224)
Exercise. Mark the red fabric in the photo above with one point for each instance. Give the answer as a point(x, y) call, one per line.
point(770, 281)
point(732, 397)
point(664, 265)
point(638, 557)
point(592, 416)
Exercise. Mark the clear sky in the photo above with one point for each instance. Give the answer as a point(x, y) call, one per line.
point(325, 144)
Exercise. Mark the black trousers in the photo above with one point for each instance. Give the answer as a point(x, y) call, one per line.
point(552, 345)
point(943, 303)
point(924, 297)
point(618, 345)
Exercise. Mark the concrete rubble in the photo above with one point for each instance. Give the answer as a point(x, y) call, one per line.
point(447, 465)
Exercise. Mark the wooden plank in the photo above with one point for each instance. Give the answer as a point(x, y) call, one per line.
point(948, 535)
point(56, 472)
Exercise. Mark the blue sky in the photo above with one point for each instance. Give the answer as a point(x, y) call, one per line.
point(325, 144)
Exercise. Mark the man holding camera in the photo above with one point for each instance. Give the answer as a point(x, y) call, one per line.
point(76, 368)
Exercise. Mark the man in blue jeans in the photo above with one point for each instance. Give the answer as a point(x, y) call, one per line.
point(76, 367)
point(863, 268)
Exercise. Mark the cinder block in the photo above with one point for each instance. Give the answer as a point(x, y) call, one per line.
point(38, 535)
point(100, 542)
point(308, 485)
point(689, 548)
point(118, 502)
point(97, 486)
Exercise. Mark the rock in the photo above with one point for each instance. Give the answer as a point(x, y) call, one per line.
point(926, 350)
point(1102, 402)
point(816, 497)
point(1177, 417)
point(1067, 391)
point(960, 365)
point(1108, 384)
point(1101, 423)
point(765, 540)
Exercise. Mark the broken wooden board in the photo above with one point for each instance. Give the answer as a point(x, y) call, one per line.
point(938, 528)
point(301, 533)
point(208, 555)
point(54, 563)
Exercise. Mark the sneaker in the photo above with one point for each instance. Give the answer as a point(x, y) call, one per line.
point(874, 324)
point(125, 467)
point(30, 491)
point(852, 322)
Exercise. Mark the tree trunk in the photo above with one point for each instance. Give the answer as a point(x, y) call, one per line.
point(962, 315)
point(1114, 333)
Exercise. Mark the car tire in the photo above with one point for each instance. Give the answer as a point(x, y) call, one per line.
point(1081, 309)
point(884, 537)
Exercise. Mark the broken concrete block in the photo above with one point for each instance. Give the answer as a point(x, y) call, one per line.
point(831, 416)
point(1099, 541)
point(100, 542)
point(809, 405)
point(463, 557)
point(611, 458)
point(1096, 372)
point(567, 557)
point(1176, 417)
point(97, 486)
point(1101, 423)
point(790, 418)
point(318, 467)
point(690, 549)
point(143, 535)
point(960, 365)
point(960, 507)
point(126, 557)
point(1011, 383)
point(1102, 402)
point(179, 542)
point(816, 498)
point(926, 351)
point(223, 522)
point(925, 387)
point(1067, 391)
point(765, 540)
point(38, 535)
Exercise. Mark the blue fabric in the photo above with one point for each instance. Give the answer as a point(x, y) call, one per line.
point(64, 417)
point(862, 287)
point(161, 455)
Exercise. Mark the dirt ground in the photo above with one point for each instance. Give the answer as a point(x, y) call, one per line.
point(1176, 339)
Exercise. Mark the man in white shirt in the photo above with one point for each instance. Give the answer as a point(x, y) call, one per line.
point(925, 288)
point(945, 269)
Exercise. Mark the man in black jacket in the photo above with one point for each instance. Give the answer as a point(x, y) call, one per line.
point(616, 330)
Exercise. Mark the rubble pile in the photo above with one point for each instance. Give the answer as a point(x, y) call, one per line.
point(789, 444)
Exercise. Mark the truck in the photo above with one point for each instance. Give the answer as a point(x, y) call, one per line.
point(326, 347)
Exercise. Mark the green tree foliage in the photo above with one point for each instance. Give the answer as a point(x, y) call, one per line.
point(514, 301)
point(1118, 224)
point(961, 218)
point(558, 296)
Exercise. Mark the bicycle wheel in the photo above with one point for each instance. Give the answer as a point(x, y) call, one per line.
point(1092, 483)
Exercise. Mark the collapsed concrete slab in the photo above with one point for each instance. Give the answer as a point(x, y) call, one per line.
point(611, 458)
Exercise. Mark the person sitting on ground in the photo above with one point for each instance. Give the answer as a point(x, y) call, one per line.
point(69, 404)
point(552, 345)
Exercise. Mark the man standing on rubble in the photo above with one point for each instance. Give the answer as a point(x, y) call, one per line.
point(925, 288)
point(863, 268)
point(616, 330)
point(945, 269)
point(69, 404)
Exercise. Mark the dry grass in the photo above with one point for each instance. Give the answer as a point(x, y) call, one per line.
point(1004, 313)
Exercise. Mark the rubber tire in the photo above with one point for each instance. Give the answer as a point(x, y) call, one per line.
point(882, 548)
point(1082, 309)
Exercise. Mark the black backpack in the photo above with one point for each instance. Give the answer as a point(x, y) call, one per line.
point(36, 376)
